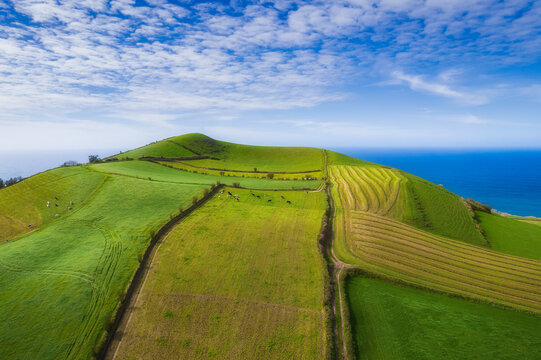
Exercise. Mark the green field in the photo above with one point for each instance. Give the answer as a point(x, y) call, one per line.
point(397, 322)
point(191, 167)
point(164, 148)
point(25, 203)
point(245, 279)
point(235, 280)
point(232, 156)
point(61, 284)
point(512, 236)
point(156, 172)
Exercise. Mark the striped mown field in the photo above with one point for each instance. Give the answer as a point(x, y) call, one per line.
point(451, 266)
point(370, 188)
point(367, 235)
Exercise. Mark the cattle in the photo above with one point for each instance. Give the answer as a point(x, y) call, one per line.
point(289, 202)
point(55, 204)
point(69, 207)
point(219, 196)
point(56, 215)
point(282, 196)
point(229, 193)
point(71, 202)
point(252, 194)
point(269, 200)
point(259, 197)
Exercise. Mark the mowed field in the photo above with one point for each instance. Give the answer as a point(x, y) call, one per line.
point(398, 322)
point(61, 284)
point(235, 280)
point(367, 238)
point(156, 172)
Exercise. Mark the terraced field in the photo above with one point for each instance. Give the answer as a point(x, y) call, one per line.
point(374, 189)
point(425, 259)
point(235, 280)
point(366, 237)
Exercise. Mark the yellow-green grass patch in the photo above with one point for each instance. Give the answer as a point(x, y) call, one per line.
point(156, 172)
point(451, 266)
point(236, 279)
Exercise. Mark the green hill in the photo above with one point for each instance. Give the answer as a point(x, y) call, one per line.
point(247, 274)
point(229, 156)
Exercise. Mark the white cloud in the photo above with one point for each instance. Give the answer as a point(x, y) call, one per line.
point(417, 83)
point(154, 64)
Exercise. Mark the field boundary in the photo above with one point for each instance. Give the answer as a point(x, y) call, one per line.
point(105, 345)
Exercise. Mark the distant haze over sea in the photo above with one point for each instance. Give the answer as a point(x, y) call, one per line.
point(509, 181)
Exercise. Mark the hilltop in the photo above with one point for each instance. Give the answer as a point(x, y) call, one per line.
point(201, 248)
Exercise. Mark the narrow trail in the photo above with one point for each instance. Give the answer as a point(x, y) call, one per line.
point(134, 300)
point(338, 267)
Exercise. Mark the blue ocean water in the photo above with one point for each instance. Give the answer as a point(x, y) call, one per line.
point(508, 181)
point(27, 163)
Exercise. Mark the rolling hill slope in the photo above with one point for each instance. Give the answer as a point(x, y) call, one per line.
point(255, 259)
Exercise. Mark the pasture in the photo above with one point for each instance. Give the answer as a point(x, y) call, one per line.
point(61, 284)
point(23, 206)
point(512, 236)
point(188, 166)
point(398, 322)
point(235, 280)
point(157, 172)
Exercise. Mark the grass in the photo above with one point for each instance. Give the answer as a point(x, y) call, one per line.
point(511, 236)
point(188, 166)
point(242, 279)
point(145, 170)
point(164, 148)
point(397, 322)
point(233, 156)
point(440, 211)
point(25, 203)
point(61, 284)
point(421, 258)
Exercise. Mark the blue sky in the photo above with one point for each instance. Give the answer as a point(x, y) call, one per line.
point(389, 73)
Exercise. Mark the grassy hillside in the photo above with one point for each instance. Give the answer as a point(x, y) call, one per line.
point(233, 156)
point(511, 236)
point(23, 206)
point(441, 212)
point(164, 148)
point(406, 198)
point(156, 172)
point(235, 280)
point(60, 284)
point(397, 322)
point(192, 167)
point(402, 251)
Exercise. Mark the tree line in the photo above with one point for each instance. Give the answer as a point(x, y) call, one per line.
point(10, 181)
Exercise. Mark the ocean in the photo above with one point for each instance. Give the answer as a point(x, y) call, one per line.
point(509, 181)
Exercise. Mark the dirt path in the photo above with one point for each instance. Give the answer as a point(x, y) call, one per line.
point(338, 267)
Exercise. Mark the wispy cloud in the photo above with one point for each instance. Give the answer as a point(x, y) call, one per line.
point(417, 83)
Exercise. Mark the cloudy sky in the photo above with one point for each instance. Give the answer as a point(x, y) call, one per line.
point(80, 74)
